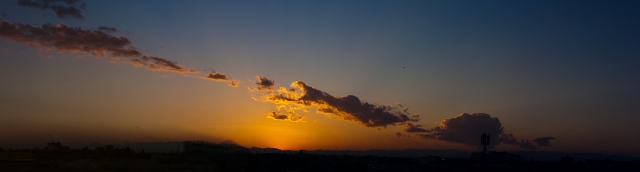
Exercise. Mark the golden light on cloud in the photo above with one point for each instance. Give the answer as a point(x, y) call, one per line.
point(301, 96)
point(220, 77)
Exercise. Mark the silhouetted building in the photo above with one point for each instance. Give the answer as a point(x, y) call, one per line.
point(17, 156)
point(497, 157)
point(567, 159)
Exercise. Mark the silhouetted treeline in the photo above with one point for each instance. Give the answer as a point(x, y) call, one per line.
point(56, 157)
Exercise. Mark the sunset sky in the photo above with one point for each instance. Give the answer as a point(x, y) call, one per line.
point(557, 76)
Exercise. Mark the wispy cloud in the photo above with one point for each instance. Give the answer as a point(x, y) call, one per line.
point(301, 96)
point(96, 43)
point(217, 76)
point(285, 117)
point(107, 29)
point(62, 8)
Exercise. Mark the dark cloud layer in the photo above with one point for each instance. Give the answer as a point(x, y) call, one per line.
point(410, 128)
point(285, 117)
point(217, 76)
point(467, 129)
point(62, 8)
point(511, 140)
point(543, 141)
point(96, 43)
point(264, 84)
point(349, 108)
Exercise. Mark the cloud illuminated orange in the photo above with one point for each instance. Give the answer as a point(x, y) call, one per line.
point(285, 117)
point(350, 108)
point(263, 84)
point(96, 43)
point(220, 77)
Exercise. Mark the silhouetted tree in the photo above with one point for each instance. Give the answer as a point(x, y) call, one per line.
point(99, 150)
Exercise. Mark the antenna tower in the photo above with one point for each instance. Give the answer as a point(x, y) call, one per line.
point(485, 140)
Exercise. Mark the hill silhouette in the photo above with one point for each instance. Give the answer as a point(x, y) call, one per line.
point(229, 142)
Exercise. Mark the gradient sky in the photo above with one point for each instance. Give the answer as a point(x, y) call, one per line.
point(569, 70)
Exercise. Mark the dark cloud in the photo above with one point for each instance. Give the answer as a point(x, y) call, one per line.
point(543, 141)
point(107, 29)
point(62, 8)
point(467, 129)
point(511, 140)
point(350, 108)
point(217, 76)
point(285, 117)
point(410, 128)
point(399, 134)
point(264, 83)
point(234, 83)
point(96, 43)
